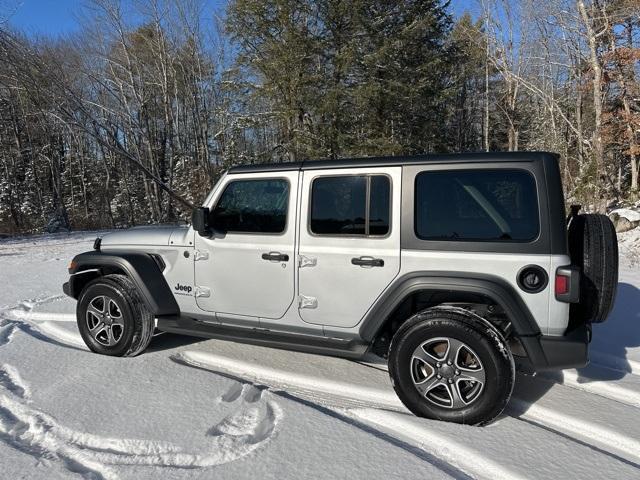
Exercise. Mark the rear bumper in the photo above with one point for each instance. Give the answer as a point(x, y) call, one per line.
point(547, 352)
point(66, 288)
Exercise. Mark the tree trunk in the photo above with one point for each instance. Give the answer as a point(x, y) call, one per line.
point(485, 127)
point(596, 67)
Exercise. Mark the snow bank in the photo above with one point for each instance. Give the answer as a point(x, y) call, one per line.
point(629, 246)
point(625, 219)
point(629, 214)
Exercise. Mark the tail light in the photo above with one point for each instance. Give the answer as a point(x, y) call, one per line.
point(562, 284)
point(567, 284)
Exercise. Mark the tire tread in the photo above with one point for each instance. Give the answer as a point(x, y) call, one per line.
point(143, 320)
point(471, 324)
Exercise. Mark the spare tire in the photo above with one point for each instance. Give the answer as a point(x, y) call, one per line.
point(593, 246)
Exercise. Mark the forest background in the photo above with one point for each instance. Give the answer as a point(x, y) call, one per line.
point(133, 116)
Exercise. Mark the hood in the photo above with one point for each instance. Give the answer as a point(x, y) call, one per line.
point(158, 235)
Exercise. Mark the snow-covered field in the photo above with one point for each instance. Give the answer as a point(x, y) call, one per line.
point(192, 408)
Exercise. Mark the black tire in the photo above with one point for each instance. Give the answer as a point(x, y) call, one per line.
point(483, 340)
point(593, 245)
point(137, 323)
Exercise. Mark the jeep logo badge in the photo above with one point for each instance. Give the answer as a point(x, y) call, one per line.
point(183, 288)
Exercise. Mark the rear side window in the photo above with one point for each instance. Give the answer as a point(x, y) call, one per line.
point(476, 205)
point(252, 206)
point(350, 205)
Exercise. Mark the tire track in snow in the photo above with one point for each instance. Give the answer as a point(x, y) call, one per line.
point(578, 429)
point(61, 336)
point(46, 332)
point(553, 421)
point(42, 316)
point(365, 396)
point(251, 426)
point(451, 457)
point(604, 389)
point(27, 305)
point(6, 332)
point(240, 386)
point(581, 442)
point(575, 429)
point(31, 434)
point(603, 439)
point(11, 380)
point(437, 444)
point(22, 318)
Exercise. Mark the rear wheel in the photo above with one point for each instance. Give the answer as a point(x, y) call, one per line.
point(112, 317)
point(448, 364)
point(593, 245)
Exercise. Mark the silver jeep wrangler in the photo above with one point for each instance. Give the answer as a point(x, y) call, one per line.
point(452, 267)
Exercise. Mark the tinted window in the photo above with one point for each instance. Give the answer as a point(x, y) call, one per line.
point(379, 205)
point(339, 205)
point(256, 206)
point(481, 205)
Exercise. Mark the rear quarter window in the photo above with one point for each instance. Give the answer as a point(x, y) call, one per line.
point(476, 205)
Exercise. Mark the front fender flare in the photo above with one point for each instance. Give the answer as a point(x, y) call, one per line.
point(139, 267)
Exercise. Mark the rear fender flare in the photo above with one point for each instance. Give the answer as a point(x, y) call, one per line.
point(490, 286)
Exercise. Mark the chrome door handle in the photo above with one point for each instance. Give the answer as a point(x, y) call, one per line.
point(275, 257)
point(367, 262)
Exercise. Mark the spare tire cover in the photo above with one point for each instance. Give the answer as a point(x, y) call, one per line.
point(593, 246)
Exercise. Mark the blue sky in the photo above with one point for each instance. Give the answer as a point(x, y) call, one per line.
point(59, 17)
point(458, 7)
point(46, 17)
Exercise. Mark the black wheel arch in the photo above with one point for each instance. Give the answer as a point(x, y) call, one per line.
point(141, 268)
point(451, 284)
point(542, 352)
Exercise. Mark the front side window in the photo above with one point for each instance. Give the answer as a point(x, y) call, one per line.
point(252, 206)
point(476, 205)
point(350, 205)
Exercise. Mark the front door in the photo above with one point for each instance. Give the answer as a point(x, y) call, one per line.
point(246, 268)
point(349, 242)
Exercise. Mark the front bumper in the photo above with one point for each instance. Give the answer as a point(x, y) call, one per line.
point(546, 352)
point(66, 289)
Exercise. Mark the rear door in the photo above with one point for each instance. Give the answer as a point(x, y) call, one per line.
point(349, 247)
point(247, 266)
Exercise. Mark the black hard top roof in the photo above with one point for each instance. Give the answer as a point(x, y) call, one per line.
point(396, 160)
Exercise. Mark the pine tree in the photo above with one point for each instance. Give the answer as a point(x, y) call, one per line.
point(348, 78)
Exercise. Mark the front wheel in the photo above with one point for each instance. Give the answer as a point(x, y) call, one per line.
point(112, 317)
point(447, 364)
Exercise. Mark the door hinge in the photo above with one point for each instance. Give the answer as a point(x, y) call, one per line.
point(307, 302)
point(203, 292)
point(200, 255)
point(304, 261)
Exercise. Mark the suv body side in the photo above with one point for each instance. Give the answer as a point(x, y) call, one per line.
point(342, 288)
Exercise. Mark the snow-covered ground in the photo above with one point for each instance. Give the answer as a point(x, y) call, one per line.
point(192, 408)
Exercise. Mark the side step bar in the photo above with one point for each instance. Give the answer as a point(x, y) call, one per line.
point(255, 336)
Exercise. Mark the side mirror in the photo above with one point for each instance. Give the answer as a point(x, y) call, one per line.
point(200, 221)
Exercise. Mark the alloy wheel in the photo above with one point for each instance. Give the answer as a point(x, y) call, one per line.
point(447, 372)
point(104, 320)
